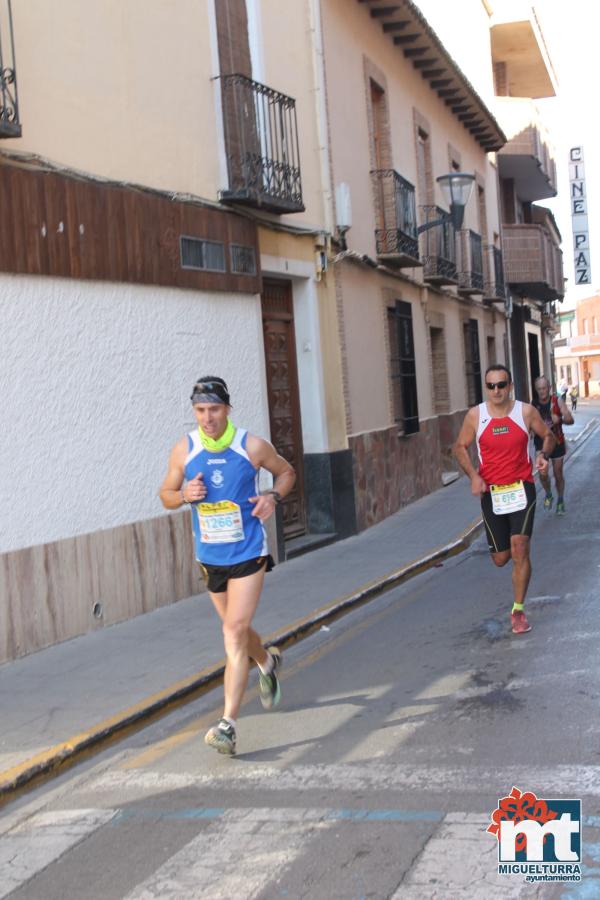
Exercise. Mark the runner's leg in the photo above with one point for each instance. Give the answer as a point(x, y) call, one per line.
point(519, 545)
point(546, 483)
point(242, 599)
point(500, 559)
point(256, 651)
point(557, 465)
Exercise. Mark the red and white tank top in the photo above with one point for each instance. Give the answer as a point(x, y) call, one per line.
point(503, 446)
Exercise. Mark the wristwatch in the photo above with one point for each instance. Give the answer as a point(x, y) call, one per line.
point(544, 454)
point(276, 496)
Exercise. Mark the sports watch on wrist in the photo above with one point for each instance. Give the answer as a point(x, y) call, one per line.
point(276, 496)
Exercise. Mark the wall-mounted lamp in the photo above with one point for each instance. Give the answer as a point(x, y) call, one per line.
point(457, 187)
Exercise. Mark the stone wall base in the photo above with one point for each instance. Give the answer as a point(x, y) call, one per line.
point(391, 471)
point(57, 591)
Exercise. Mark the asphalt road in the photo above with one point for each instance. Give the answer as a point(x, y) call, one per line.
point(400, 728)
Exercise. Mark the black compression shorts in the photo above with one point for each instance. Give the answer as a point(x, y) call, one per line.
point(216, 577)
point(499, 529)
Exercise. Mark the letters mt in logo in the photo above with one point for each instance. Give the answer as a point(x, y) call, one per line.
point(537, 831)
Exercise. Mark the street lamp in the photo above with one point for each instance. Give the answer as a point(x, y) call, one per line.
point(457, 187)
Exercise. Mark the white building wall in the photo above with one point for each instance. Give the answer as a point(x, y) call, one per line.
point(95, 381)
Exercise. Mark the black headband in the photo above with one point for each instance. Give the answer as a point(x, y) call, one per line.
point(210, 392)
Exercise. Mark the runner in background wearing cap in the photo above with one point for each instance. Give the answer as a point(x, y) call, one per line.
point(215, 469)
point(504, 481)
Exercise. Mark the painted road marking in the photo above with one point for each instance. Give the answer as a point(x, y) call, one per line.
point(31, 846)
point(557, 781)
point(460, 860)
point(244, 851)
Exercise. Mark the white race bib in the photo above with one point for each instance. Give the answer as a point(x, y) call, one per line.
point(220, 523)
point(508, 498)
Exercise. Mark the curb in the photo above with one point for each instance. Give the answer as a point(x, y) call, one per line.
point(51, 762)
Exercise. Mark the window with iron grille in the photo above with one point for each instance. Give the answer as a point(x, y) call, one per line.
point(198, 253)
point(403, 367)
point(243, 260)
point(472, 362)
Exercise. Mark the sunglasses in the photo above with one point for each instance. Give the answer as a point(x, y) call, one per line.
point(491, 385)
point(208, 387)
point(211, 387)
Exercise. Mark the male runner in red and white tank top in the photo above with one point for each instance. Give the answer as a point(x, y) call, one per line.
point(504, 481)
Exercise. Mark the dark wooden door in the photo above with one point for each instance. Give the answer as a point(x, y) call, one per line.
point(284, 401)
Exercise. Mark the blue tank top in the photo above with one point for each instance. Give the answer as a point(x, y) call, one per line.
point(225, 531)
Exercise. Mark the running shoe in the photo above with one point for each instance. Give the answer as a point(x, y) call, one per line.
point(268, 685)
point(560, 508)
point(221, 737)
point(548, 501)
point(519, 623)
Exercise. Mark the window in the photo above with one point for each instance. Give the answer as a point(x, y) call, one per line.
point(243, 260)
point(197, 253)
point(441, 388)
point(472, 362)
point(594, 329)
point(423, 167)
point(403, 369)
point(585, 326)
point(380, 134)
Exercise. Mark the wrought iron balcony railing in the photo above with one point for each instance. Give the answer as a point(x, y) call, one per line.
point(10, 125)
point(438, 248)
point(261, 144)
point(494, 288)
point(470, 276)
point(396, 235)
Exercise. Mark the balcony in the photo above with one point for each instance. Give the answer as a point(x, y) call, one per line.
point(494, 289)
point(261, 145)
point(438, 248)
point(10, 126)
point(533, 262)
point(470, 266)
point(584, 343)
point(518, 44)
point(396, 237)
point(528, 156)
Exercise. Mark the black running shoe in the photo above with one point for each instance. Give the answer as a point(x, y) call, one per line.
point(268, 685)
point(221, 737)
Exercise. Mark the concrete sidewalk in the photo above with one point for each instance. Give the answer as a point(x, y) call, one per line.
point(61, 701)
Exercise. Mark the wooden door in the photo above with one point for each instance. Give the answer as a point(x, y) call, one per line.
point(284, 401)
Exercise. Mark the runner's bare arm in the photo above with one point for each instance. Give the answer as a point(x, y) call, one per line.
point(565, 412)
point(171, 493)
point(263, 455)
point(466, 436)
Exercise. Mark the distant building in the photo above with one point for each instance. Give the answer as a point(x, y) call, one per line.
point(577, 350)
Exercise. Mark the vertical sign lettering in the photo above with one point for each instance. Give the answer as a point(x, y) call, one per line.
point(579, 217)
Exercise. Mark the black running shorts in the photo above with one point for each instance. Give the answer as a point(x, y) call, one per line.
point(499, 529)
point(216, 577)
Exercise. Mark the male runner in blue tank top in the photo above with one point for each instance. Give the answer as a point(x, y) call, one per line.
point(219, 464)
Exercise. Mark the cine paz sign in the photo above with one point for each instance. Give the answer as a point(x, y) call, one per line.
point(579, 217)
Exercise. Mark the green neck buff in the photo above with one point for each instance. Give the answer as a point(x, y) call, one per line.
point(222, 443)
